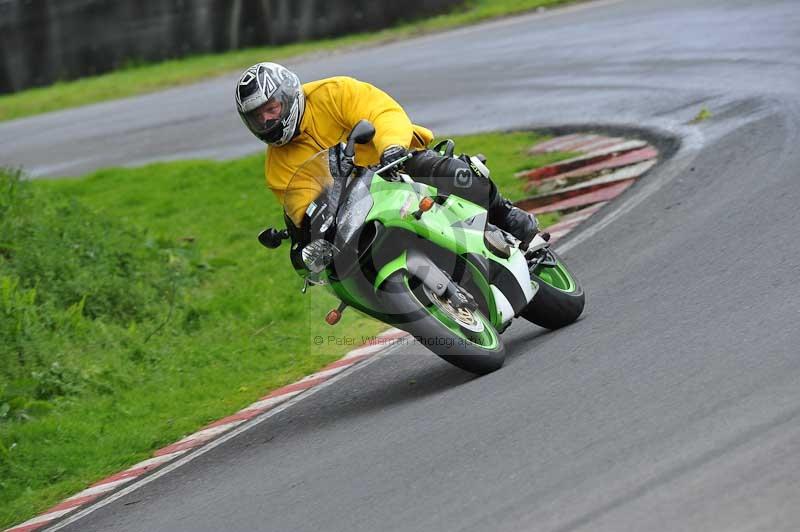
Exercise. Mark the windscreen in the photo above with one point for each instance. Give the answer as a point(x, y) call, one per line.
point(308, 190)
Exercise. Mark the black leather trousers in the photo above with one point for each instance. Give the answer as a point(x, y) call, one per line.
point(452, 175)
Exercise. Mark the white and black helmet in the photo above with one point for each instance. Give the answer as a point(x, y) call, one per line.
point(262, 83)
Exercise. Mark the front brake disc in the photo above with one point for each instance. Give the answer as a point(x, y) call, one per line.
point(464, 317)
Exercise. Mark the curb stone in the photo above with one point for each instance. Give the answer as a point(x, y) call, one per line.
point(580, 186)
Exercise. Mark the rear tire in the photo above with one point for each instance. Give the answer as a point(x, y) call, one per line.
point(560, 299)
point(477, 349)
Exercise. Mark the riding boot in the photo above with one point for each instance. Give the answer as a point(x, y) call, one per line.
point(521, 224)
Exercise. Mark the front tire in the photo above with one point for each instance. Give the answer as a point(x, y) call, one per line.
point(559, 300)
point(468, 341)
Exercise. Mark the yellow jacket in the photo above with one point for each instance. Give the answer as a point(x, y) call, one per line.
point(333, 106)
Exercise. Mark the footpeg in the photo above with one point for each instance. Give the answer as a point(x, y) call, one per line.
point(538, 242)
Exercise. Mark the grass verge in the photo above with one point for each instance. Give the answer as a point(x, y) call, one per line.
point(156, 76)
point(136, 306)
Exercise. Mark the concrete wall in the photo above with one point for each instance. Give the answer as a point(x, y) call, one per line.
point(42, 41)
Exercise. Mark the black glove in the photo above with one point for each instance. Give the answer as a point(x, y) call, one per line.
point(392, 154)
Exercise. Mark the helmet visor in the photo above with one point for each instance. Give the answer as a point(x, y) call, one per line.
point(265, 120)
point(270, 120)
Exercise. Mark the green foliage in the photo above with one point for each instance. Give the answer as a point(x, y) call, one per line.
point(67, 275)
point(73, 257)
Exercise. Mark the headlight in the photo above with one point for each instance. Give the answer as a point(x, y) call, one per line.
point(317, 255)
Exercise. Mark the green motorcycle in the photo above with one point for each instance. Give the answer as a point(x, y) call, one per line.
point(423, 262)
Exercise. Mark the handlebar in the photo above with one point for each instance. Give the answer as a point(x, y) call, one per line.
point(395, 163)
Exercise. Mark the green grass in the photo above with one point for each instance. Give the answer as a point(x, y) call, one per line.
point(152, 77)
point(136, 306)
point(702, 115)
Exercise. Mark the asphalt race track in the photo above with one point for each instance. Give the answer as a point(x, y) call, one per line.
point(673, 404)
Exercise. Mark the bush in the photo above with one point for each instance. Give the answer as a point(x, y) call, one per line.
point(66, 276)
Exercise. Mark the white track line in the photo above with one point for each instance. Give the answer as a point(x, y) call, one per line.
point(271, 401)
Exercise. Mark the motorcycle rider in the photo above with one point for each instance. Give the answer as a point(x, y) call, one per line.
point(297, 121)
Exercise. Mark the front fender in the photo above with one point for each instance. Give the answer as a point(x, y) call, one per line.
point(388, 269)
point(418, 265)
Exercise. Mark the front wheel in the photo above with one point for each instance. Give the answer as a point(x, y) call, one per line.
point(464, 338)
point(559, 300)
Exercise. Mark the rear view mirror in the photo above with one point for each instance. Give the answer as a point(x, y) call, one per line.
point(362, 133)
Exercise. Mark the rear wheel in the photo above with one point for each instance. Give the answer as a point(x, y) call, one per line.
point(462, 337)
point(559, 299)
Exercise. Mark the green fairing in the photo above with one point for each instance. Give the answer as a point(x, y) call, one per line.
point(435, 225)
point(389, 268)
